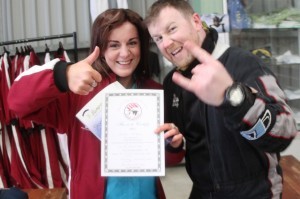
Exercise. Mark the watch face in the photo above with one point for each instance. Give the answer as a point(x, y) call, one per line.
point(236, 95)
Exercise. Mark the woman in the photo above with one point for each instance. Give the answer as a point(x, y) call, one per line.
point(59, 90)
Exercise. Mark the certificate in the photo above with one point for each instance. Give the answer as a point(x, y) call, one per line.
point(129, 146)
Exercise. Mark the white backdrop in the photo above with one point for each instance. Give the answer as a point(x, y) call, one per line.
point(39, 18)
point(36, 18)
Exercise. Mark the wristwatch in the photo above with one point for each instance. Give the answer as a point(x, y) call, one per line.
point(234, 95)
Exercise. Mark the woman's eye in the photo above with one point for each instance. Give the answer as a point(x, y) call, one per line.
point(113, 45)
point(133, 43)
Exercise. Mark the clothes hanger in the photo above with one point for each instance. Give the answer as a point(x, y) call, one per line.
point(5, 50)
point(61, 45)
point(30, 48)
point(60, 50)
point(22, 51)
point(17, 51)
point(47, 48)
point(27, 51)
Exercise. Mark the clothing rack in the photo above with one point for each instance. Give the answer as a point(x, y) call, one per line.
point(74, 35)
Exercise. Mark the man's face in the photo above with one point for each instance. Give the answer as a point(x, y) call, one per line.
point(170, 30)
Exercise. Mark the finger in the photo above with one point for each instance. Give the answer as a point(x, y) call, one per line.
point(172, 126)
point(83, 91)
point(96, 76)
point(162, 128)
point(94, 84)
point(181, 81)
point(171, 133)
point(87, 88)
point(197, 52)
point(178, 137)
point(93, 56)
point(173, 138)
point(177, 140)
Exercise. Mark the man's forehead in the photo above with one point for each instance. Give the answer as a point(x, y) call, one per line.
point(157, 26)
point(163, 17)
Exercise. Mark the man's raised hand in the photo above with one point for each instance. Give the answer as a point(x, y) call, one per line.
point(209, 78)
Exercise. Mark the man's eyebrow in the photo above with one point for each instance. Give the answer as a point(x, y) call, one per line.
point(155, 36)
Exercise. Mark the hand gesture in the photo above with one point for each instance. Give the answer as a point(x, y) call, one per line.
point(82, 77)
point(172, 134)
point(209, 80)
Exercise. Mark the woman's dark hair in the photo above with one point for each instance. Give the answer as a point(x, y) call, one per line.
point(101, 29)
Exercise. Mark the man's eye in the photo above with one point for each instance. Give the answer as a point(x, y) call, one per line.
point(172, 29)
point(157, 39)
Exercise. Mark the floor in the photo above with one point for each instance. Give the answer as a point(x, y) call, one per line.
point(176, 183)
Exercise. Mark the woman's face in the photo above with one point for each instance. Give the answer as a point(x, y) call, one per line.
point(123, 51)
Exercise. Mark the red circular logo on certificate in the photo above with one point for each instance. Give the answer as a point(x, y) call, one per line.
point(133, 111)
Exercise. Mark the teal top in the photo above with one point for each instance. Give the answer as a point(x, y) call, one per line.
point(130, 188)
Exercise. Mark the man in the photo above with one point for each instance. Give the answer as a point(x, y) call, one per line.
point(226, 103)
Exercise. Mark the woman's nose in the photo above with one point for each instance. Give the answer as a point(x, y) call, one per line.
point(125, 51)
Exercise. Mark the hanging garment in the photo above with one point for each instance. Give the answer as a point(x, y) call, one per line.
point(47, 57)
point(5, 86)
point(24, 173)
point(5, 153)
point(57, 170)
point(20, 63)
point(2, 116)
point(61, 53)
point(3, 176)
point(14, 63)
point(33, 58)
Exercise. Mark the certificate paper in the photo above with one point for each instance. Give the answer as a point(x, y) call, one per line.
point(90, 115)
point(129, 146)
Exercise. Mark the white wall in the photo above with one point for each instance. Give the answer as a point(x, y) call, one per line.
point(294, 148)
point(36, 18)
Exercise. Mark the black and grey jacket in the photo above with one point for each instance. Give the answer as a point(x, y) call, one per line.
point(230, 151)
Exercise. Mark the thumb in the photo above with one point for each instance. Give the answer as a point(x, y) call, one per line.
point(93, 56)
point(181, 81)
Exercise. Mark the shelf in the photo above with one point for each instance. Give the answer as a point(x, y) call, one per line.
point(266, 29)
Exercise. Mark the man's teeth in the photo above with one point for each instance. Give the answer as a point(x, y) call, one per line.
point(176, 51)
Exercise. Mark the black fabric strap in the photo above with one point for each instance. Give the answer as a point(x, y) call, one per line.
point(60, 76)
point(234, 115)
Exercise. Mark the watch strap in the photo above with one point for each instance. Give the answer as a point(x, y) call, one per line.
point(234, 115)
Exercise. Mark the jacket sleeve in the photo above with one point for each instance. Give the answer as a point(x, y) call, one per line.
point(35, 96)
point(265, 120)
point(174, 155)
